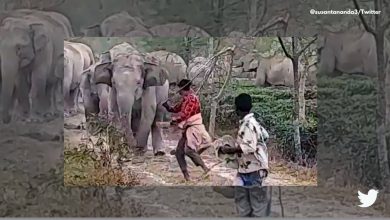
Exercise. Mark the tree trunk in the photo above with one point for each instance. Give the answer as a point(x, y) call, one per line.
point(381, 114)
point(219, 16)
point(252, 16)
point(215, 100)
point(187, 50)
point(296, 122)
point(301, 97)
point(213, 115)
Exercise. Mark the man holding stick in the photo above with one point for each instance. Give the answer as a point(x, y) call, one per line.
point(195, 138)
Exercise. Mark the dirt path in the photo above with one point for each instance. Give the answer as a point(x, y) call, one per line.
point(27, 188)
point(165, 170)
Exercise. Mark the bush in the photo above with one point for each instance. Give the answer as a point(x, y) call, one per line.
point(347, 131)
point(273, 107)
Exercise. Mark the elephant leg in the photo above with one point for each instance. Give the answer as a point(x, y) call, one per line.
point(72, 100)
point(78, 108)
point(40, 100)
point(59, 97)
point(50, 91)
point(148, 114)
point(22, 93)
point(157, 140)
point(113, 106)
point(103, 96)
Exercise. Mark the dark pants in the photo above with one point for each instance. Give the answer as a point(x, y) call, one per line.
point(253, 200)
point(182, 151)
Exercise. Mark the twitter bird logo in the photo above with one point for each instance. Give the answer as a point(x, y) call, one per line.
point(369, 199)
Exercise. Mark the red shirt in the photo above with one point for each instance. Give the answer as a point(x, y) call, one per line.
point(189, 106)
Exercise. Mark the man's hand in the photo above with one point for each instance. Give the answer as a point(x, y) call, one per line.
point(227, 149)
point(173, 123)
point(166, 106)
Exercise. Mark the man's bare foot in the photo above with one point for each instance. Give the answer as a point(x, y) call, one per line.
point(186, 176)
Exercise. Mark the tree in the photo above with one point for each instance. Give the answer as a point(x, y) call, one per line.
point(215, 100)
point(383, 120)
point(294, 57)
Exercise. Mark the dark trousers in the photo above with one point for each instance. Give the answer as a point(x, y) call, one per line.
point(182, 151)
point(253, 201)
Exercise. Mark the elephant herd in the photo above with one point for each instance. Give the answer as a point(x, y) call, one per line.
point(40, 72)
point(31, 57)
point(124, 86)
point(122, 24)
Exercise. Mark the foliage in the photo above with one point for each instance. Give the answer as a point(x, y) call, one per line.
point(273, 108)
point(347, 130)
point(93, 165)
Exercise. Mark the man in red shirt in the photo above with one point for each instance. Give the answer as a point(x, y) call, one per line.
point(188, 107)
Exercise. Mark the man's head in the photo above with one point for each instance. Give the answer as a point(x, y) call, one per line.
point(243, 103)
point(184, 85)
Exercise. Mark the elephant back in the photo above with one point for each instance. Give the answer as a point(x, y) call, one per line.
point(174, 64)
point(178, 30)
point(120, 24)
point(122, 49)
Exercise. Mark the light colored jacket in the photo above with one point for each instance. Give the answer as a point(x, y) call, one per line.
point(252, 139)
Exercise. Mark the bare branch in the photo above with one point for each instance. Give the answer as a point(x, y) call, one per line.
point(307, 46)
point(264, 11)
point(284, 48)
point(362, 19)
point(271, 23)
point(227, 77)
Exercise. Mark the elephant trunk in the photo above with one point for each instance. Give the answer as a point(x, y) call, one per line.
point(125, 105)
point(9, 71)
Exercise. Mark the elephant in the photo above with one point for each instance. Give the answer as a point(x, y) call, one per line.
point(249, 62)
point(31, 54)
point(77, 58)
point(59, 18)
point(178, 30)
point(117, 25)
point(175, 65)
point(138, 87)
point(352, 51)
point(95, 96)
point(276, 70)
point(196, 69)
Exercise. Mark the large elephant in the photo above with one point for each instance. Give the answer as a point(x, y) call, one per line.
point(31, 54)
point(117, 25)
point(178, 30)
point(352, 51)
point(138, 89)
point(276, 71)
point(175, 65)
point(77, 58)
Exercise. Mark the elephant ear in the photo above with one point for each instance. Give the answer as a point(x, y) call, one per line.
point(155, 75)
point(103, 74)
point(39, 36)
